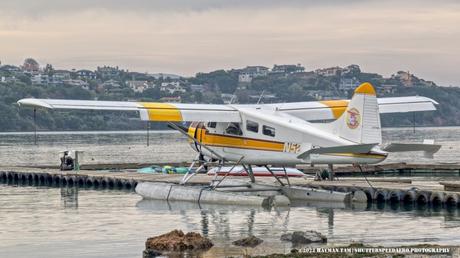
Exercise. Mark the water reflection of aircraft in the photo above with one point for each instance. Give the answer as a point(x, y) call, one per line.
point(277, 134)
point(69, 197)
point(230, 222)
point(215, 215)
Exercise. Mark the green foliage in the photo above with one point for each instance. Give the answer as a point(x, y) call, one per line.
point(220, 80)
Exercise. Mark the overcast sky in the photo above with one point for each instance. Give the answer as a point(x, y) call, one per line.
point(189, 36)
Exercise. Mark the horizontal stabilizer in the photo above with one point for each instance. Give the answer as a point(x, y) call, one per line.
point(356, 148)
point(428, 149)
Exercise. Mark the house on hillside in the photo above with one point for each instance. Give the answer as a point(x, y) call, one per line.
point(404, 77)
point(10, 68)
point(112, 86)
point(30, 66)
point(197, 87)
point(79, 83)
point(59, 76)
point(172, 87)
point(139, 86)
point(331, 71)
point(228, 98)
point(40, 79)
point(86, 75)
point(387, 88)
point(9, 79)
point(251, 72)
point(351, 70)
point(107, 72)
point(287, 69)
point(347, 84)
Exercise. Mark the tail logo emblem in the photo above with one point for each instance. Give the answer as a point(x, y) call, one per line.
point(353, 118)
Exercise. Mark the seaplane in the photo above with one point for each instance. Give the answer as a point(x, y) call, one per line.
point(325, 132)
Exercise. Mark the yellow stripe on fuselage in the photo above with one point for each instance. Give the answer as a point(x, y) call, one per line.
point(162, 112)
point(226, 141)
point(238, 142)
point(337, 107)
point(191, 131)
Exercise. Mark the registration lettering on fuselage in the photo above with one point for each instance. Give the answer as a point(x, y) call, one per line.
point(291, 147)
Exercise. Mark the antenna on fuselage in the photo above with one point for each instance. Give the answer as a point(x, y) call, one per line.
point(261, 96)
point(232, 99)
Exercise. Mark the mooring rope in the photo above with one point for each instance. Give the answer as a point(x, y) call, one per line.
point(201, 191)
point(365, 177)
point(170, 188)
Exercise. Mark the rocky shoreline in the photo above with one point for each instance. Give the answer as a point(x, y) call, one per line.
point(179, 244)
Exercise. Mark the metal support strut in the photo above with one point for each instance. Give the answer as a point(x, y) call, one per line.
point(148, 133)
point(35, 126)
point(250, 173)
point(331, 172)
point(286, 175)
point(273, 174)
point(189, 173)
point(228, 173)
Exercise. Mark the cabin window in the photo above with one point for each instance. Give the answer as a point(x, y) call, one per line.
point(234, 128)
point(268, 130)
point(252, 126)
point(212, 124)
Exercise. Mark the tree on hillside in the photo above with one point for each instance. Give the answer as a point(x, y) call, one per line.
point(222, 80)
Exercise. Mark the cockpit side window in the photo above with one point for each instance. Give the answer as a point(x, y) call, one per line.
point(268, 130)
point(252, 126)
point(211, 124)
point(233, 128)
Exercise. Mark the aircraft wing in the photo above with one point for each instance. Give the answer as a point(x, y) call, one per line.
point(175, 112)
point(149, 111)
point(333, 109)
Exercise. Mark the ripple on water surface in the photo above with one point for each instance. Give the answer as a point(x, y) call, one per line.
point(67, 222)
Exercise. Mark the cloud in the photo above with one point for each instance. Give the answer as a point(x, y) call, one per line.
point(36, 8)
point(49, 7)
point(186, 37)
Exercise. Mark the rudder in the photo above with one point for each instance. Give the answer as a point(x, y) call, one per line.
point(360, 123)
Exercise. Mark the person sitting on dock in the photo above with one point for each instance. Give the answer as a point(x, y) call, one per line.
point(67, 162)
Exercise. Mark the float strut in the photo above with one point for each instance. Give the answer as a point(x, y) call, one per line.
point(273, 174)
point(35, 126)
point(250, 173)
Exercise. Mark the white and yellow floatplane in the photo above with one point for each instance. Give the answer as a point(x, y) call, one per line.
point(285, 134)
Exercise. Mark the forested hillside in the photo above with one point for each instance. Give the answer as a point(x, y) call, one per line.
point(215, 87)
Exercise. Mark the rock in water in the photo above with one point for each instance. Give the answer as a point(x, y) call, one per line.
point(299, 237)
point(251, 241)
point(149, 253)
point(177, 241)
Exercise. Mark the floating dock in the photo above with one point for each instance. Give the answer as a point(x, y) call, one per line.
point(373, 189)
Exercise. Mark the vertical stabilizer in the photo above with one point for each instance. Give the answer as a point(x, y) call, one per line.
point(360, 122)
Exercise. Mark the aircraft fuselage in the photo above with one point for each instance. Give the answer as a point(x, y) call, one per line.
point(262, 142)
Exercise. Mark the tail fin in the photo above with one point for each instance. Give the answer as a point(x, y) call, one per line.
point(360, 122)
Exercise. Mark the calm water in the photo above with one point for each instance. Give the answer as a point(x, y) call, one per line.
point(69, 222)
point(53, 222)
